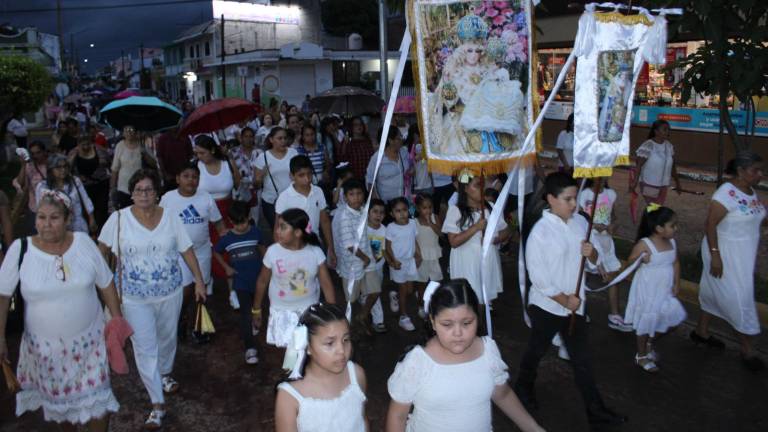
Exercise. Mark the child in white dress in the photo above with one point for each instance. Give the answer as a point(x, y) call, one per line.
point(328, 393)
point(427, 237)
point(294, 271)
point(403, 255)
point(450, 381)
point(653, 307)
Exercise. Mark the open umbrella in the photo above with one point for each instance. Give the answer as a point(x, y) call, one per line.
point(347, 100)
point(218, 114)
point(403, 105)
point(126, 94)
point(144, 113)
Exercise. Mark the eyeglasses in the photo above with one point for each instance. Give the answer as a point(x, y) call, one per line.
point(60, 273)
point(147, 191)
point(475, 50)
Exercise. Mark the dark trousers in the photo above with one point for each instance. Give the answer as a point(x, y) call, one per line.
point(246, 333)
point(269, 213)
point(544, 326)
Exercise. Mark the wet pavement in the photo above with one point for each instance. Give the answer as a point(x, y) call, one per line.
point(697, 389)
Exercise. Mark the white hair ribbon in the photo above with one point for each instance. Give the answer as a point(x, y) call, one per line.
point(299, 348)
point(431, 288)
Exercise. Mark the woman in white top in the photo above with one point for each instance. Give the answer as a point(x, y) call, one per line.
point(728, 252)
point(57, 274)
point(272, 171)
point(59, 177)
point(450, 381)
point(565, 146)
point(129, 157)
point(656, 164)
point(328, 393)
point(147, 241)
point(267, 123)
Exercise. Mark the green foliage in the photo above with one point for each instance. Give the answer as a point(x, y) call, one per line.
point(342, 17)
point(24, 84)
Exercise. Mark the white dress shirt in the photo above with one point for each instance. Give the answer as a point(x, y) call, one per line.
point(553, 256)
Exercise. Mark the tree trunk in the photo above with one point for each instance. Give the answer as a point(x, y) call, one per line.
point(720, 152)
point(725, 116)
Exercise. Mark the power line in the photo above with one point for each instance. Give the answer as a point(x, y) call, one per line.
point(116, 6)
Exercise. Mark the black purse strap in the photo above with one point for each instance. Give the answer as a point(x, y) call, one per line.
point(269, 173)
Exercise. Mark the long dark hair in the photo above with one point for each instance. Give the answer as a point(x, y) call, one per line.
point(316, 316)
point(467, 217)
point(298, 219)
point(656, 124)
point(208, 143)
point(652, 219)
point(270, 135)
point(569, 123)
point(410, 141)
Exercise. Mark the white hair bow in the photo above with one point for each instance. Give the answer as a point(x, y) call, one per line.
point(298, 348)
point(431, 288)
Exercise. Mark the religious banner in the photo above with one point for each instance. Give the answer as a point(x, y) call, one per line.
point(612, 48)
point(473, 71)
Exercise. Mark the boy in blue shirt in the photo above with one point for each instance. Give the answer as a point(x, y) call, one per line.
point(244, 245)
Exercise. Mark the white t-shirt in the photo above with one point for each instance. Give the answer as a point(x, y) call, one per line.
point(280, 171)
point(605, 202)
point(127, 161)
point(150, 258)
point(565, 143)
point(294, 283)
point(376, 238)
point(403, 239)
point(195, 213)
point(18, 128)
point(657, 169)
point(220, 185)
point(312, 204)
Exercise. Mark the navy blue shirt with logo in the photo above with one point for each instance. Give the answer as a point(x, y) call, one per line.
point(244, 257)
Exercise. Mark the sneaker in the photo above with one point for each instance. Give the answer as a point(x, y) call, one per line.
point(169, 384)
point(406, 324)
point(251, 356)
point(617, 323)
point(379, 328)
point(155, 419)
point(233, 301)
point(394, 303)
point(562, 352)
point(377, 313)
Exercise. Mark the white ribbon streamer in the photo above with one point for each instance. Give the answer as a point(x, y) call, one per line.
point(298, 350)
point(623, 275)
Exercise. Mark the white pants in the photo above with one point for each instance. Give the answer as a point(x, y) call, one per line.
point(154, 340)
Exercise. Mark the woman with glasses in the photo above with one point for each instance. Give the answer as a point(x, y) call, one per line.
point(63, 357)
point(60, 178)
point(129, 157)
point(147, 241)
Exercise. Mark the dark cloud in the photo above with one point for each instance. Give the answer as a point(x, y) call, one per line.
point(110, 30)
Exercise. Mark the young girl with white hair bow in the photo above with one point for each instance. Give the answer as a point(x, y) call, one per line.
point(327, 392)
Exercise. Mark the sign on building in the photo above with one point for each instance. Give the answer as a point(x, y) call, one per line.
point(237, 11)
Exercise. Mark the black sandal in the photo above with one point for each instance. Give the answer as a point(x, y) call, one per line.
point(710, 341)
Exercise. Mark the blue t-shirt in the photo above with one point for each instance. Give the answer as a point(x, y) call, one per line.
point(243, 250)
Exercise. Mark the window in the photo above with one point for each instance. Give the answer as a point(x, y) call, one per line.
point(207, 48)
point(197, 50)
point(346, 73)
point(191, 51)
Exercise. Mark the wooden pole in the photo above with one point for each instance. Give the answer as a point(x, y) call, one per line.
point(596, 189)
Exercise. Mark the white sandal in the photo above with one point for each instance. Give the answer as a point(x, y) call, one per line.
point(651, 353)
point(646, 363)
point(169, 384)
point(155, 419)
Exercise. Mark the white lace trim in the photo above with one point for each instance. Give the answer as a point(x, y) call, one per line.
point(80, 411)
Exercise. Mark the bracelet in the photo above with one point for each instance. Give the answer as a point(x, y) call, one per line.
point(255, 311)
point(714, 250)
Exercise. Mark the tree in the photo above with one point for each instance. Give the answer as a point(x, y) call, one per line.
point(343, 17)
point(24, 85)
point(733, 59)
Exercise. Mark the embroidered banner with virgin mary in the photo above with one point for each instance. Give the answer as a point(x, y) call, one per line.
point(473, 72)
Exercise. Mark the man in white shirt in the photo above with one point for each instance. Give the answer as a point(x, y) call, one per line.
point(302, 194)
point(18, 127)
point(554, 250)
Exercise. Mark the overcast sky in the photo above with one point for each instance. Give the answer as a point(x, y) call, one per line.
point(110, 30)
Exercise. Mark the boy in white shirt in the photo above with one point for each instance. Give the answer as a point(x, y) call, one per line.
point(302, 194)
point(554, 251)
point(196, 209)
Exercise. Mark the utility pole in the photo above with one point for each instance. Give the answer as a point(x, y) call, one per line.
point(223, 67)
point(61, 35)
point(383, 50)
point(72, 52)
point(141, 68)
point(122, 64)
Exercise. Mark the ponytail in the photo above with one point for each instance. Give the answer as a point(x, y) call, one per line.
point(299, 220)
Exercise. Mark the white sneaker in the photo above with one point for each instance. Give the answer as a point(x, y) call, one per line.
point(251, 356)
point(563, 353)
point(394, 303)
point(406, 324)
point(617, 323)
point(233, 301)
point(377, 313)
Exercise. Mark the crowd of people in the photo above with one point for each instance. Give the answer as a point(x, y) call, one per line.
point(272, 208)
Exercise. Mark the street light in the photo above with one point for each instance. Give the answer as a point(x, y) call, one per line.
point(85, 60)
point(92, 45)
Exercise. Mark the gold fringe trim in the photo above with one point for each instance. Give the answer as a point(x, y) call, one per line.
point(618, 17)
point(622, 160)
point(493, 167)
point(580, 172)
point(533, 78)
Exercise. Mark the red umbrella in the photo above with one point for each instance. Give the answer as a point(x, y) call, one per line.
point(126, 94)
point(218, 114)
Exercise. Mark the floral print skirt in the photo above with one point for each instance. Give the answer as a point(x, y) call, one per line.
point(67, 377)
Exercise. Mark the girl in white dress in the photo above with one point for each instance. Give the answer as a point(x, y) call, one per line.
point(653, 305)
point(728, 252)
point(464, 224)
point(328, 393)
point(450, 381)
point(428, 238)
point(294, 271)
point(403, 255)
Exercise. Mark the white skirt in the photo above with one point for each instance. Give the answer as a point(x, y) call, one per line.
point(407, 272)
point(281, 324)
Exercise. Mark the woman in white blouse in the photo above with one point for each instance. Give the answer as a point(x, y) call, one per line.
point(147, 241)
point(63, 357)
point(656, 164)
